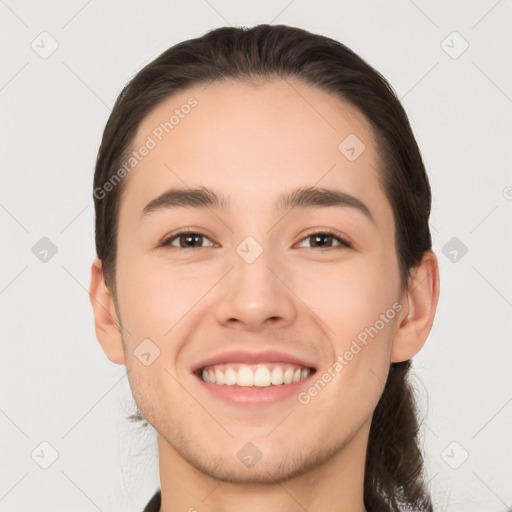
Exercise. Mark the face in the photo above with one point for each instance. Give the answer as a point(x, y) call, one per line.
point(268, 324)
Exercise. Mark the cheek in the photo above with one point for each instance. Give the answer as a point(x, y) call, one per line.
point(153, 298)
point(351, 297)
point(360, 314)
point(154, 302)
point(358, 306)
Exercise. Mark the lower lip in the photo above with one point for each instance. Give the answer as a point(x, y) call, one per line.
point(254, 396)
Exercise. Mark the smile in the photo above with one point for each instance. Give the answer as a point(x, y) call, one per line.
point(254, 375)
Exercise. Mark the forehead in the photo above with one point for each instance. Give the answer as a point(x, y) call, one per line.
point(250, 139)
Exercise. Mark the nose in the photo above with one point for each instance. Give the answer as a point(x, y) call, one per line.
point(256, 295)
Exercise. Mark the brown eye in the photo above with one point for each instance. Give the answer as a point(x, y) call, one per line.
point(325, 241)
point(186, 240)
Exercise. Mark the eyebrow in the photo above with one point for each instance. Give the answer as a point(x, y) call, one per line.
point(303, 197)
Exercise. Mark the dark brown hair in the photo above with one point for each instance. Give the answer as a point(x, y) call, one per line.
point(394, 463)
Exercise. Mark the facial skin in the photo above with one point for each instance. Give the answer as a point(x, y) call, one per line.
point(253, 143)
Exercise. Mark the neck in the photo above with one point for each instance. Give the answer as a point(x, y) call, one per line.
point(337, 485)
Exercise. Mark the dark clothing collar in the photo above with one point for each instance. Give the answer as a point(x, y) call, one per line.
point(154, 503)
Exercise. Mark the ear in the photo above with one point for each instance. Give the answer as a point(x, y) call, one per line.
point(107, 325)
point(420, 301)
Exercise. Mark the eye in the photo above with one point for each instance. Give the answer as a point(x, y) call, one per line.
point(326, 240)
point(185, 240)
point(194, 240)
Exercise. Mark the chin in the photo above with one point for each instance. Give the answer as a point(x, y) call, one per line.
point(261, 469)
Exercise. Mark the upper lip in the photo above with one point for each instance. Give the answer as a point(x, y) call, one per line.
point(245, 357)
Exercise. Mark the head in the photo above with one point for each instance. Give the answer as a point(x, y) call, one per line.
point(271, 119)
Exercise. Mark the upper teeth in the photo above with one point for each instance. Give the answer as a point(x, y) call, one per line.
point(257, 375)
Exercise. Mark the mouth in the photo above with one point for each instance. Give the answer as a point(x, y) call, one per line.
point(253, 379)
point(260, 375)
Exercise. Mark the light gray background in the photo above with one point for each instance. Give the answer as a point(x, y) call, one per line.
point(56, 383)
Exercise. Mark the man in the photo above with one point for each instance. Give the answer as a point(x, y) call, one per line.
point(261, 279)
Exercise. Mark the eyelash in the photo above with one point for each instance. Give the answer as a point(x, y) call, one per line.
point(342, 242)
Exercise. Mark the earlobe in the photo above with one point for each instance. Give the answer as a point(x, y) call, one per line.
point(107, 325)
point(422, 295)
